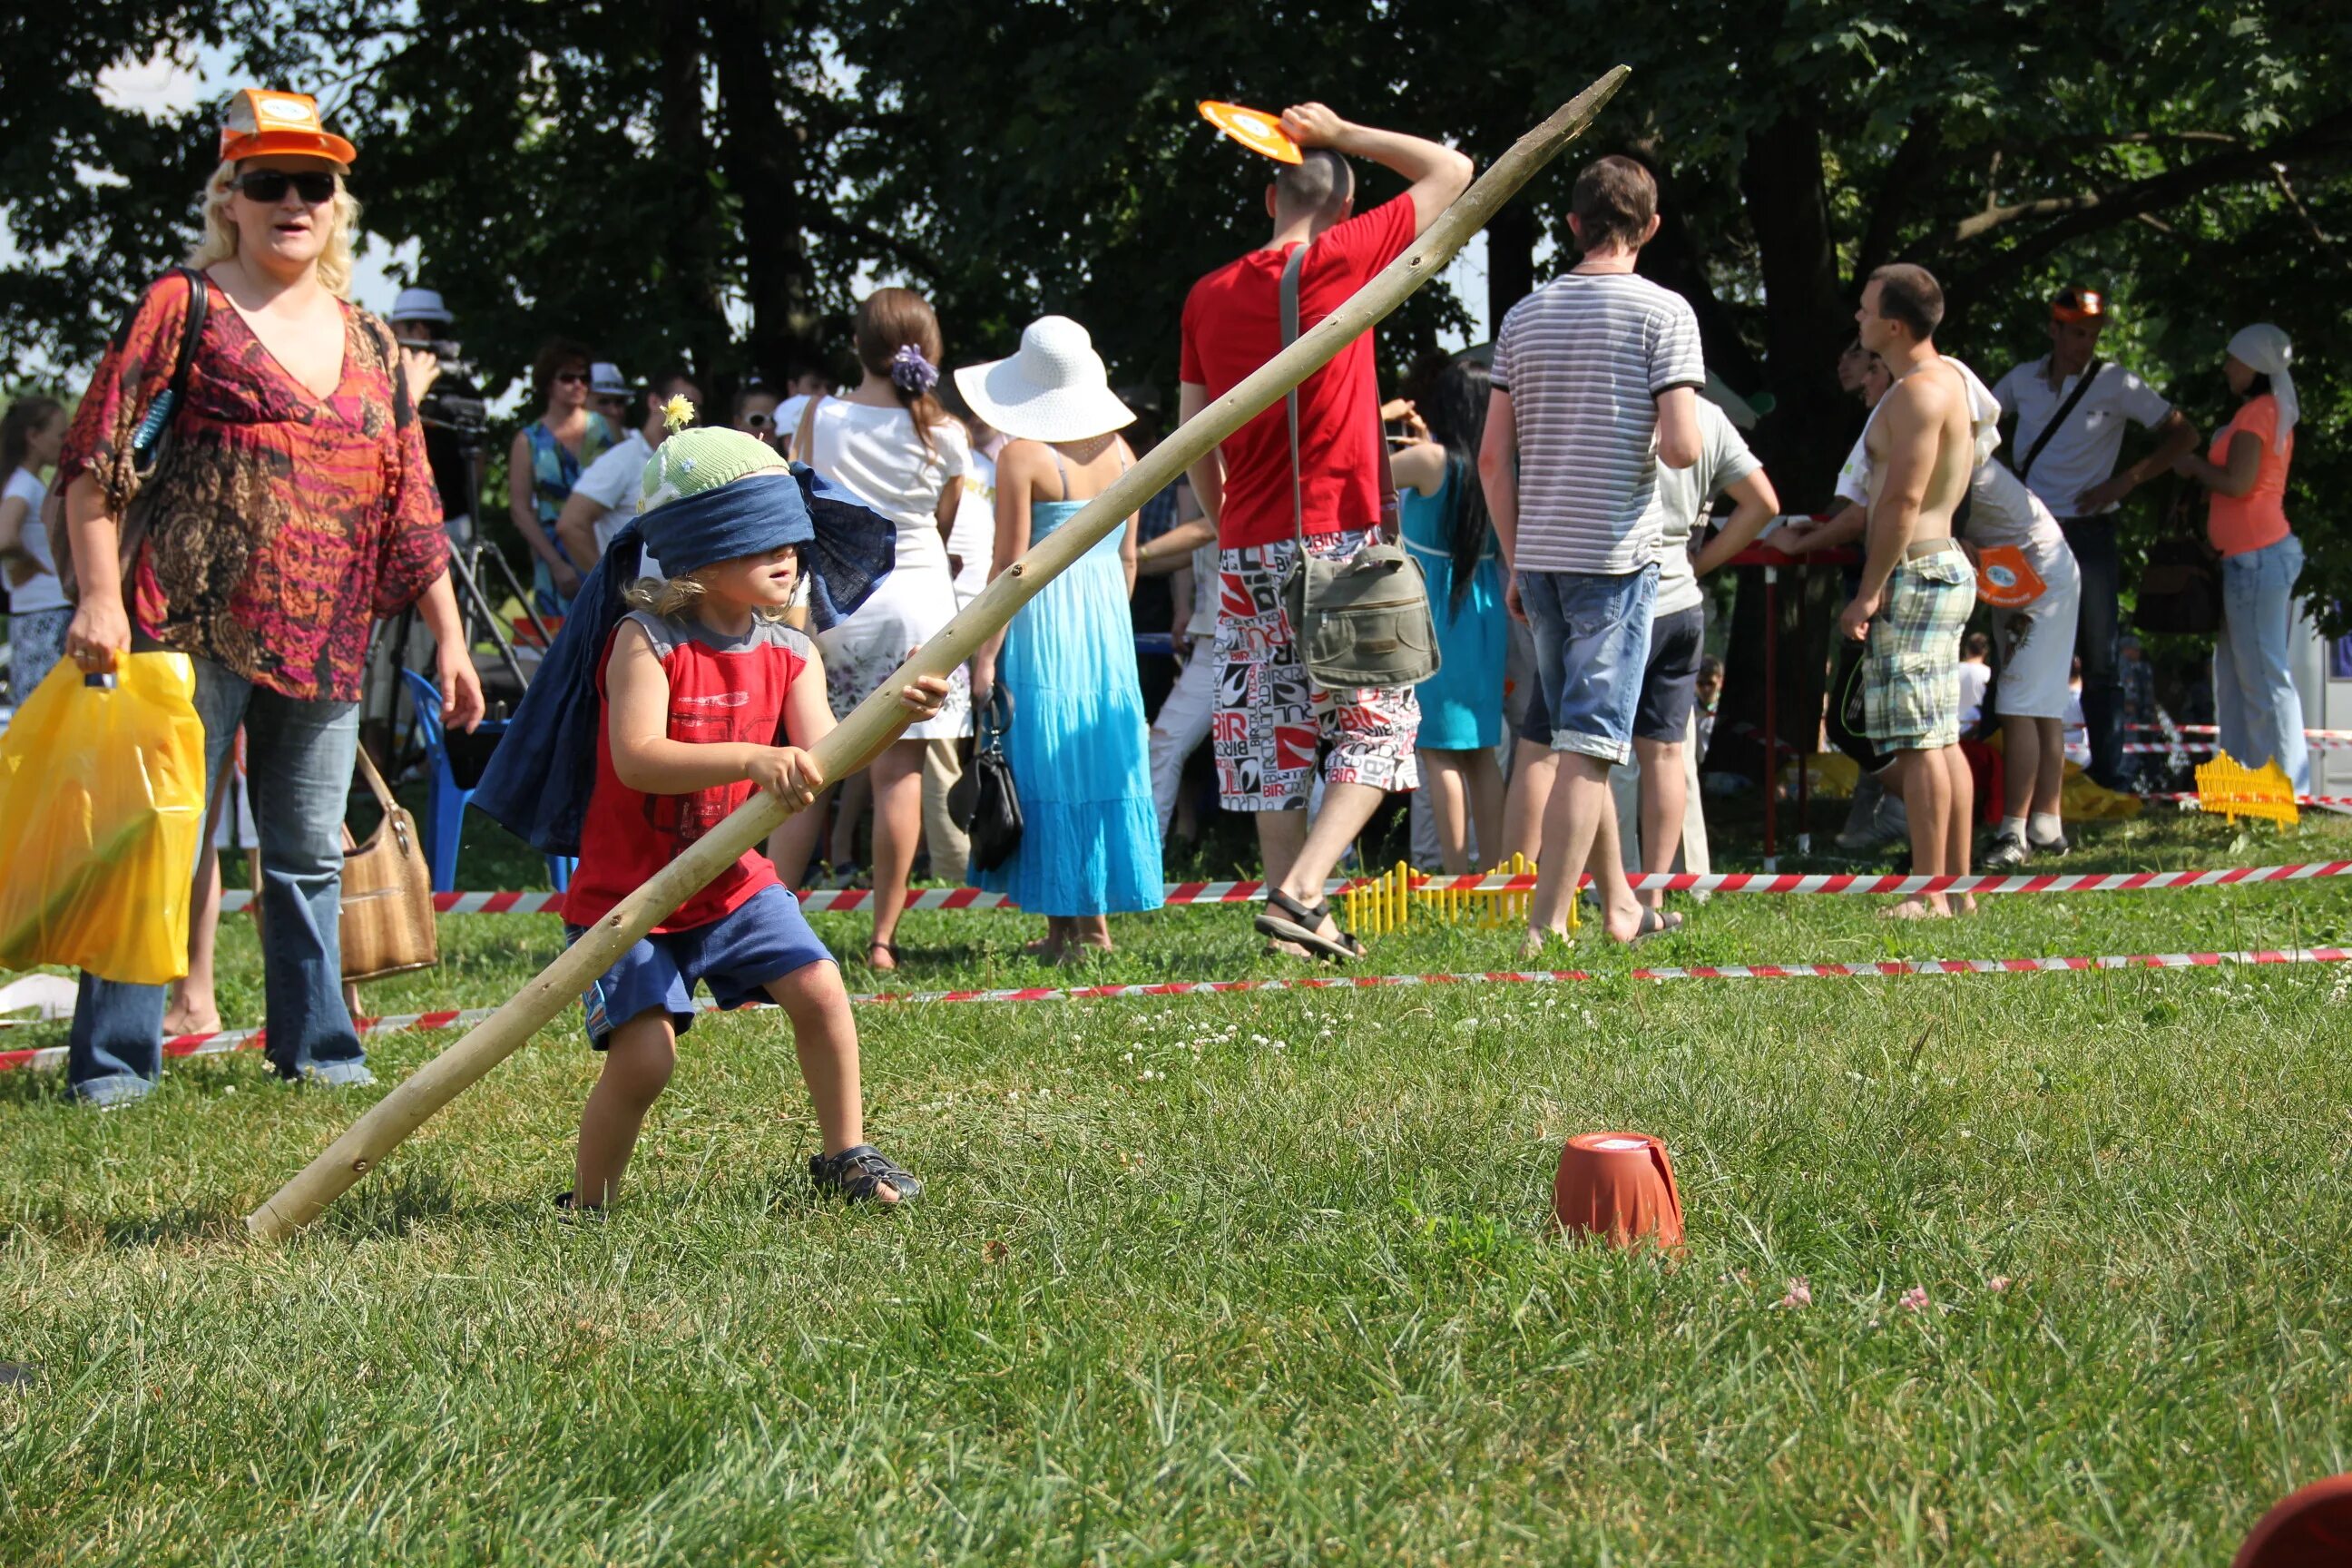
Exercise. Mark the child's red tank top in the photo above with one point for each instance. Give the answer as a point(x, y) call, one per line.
point(722, 688)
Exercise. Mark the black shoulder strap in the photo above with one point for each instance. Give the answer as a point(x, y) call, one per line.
point(145, 441)
point(1291, 270)
point(403, 413)
point(2090, 374)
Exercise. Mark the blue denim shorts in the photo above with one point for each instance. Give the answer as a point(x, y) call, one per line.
point(1593, 642)
point(738, 956)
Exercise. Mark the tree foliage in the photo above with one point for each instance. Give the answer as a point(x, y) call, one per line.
point(709, 180)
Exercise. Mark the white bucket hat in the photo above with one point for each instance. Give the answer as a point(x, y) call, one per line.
point(1054, 389)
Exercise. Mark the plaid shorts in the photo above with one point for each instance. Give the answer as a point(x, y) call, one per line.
point(1271, 720)
point(1911, 674)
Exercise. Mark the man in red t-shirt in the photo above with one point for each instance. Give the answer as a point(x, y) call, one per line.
point(1271, 720)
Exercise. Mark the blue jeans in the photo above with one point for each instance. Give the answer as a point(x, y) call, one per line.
point(2098, 640)
point(299, 761)
point(1593, 643)
point(2253, 695)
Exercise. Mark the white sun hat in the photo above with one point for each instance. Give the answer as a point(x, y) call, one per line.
point(1054, 389)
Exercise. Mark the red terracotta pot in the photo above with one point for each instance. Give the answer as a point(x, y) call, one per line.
point(2309, 1529)
point(1619, 1186)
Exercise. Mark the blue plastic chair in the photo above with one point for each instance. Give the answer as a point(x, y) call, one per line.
point(445, 811)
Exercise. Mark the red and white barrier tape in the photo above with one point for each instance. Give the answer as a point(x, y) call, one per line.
point(840, 901)
point(227, 1040)
point(1852, 883)
point(2158, 747)
point(2338, 735)
point(2219, 802)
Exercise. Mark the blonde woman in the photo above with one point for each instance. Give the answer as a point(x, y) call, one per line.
point(295, 506)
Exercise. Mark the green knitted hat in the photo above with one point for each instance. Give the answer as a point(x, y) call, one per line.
point(694, 460)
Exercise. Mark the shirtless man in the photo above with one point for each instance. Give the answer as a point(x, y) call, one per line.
point(1917, 588)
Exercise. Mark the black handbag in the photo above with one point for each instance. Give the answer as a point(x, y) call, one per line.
point(985, 805)
point(2180, 586)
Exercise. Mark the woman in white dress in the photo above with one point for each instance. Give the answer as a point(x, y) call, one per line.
point(891, 445)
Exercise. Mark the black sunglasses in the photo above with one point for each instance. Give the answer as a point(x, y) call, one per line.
point(759, 421)
point(571, 377)
point(267, 185)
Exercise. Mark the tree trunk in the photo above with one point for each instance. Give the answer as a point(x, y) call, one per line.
point(690, 278)
point(1510, 263)
point(764, 157)
point(1804, 438)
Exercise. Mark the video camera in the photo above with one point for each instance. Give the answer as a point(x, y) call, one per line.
point(454, 403)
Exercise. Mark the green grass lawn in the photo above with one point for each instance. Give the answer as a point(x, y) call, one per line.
point(1250, 1278)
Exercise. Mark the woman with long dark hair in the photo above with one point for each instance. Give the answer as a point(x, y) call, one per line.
point(32, 433)
point(891, 444)
point(1443, 514)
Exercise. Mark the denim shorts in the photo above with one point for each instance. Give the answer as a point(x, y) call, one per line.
point(738, 956)
point(1593, 642)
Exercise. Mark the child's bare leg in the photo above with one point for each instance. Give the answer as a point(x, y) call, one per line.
point(1093, 930)
point(192, 1007)
point(824, 1037)
point(638, 1059)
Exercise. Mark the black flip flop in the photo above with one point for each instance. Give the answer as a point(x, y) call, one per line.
point(1287, 920)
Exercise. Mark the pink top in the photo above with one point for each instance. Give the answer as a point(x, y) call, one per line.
point(2237, 525)
point(287, 521)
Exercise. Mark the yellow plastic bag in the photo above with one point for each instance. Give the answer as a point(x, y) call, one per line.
point(102, 805)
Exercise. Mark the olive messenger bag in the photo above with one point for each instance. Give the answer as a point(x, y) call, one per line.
point(1364, 621)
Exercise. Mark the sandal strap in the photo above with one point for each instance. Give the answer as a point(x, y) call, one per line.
point(1308, 915)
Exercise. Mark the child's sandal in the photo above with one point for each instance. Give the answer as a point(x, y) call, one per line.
point(860, 1173)
point(888, 948)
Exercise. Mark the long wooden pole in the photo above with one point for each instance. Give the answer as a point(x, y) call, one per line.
point(878, 720)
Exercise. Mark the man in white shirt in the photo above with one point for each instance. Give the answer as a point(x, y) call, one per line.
point(606, 497)
point(2070, 463)
point(1658, 808)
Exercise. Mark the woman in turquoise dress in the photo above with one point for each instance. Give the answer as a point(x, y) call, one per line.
point(1442, 510)
point(1079, 742)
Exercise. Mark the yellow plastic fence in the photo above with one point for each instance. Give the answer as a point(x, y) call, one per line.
point(1377, 906)
point(2229, 786)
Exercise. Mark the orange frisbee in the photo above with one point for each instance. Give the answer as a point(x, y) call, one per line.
point(1253, 129)
point(2004, 578)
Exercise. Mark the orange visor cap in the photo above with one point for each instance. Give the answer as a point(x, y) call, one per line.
point(261, 122)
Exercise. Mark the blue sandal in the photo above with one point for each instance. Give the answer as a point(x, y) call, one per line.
point(859, 1174)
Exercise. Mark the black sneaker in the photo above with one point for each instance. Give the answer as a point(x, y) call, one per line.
point(2056, 847)
point(859, 1174)
point(2007, 852)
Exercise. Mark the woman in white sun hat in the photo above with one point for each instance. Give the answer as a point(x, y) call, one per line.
point(1090, 840)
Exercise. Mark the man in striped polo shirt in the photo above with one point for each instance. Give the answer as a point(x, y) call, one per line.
point(1595, 387)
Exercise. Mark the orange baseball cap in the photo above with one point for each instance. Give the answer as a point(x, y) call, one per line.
point(2073, 304)
point(261, 122)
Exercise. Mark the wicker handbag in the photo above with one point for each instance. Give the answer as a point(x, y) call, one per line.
point(387, 924)
point(387, 910)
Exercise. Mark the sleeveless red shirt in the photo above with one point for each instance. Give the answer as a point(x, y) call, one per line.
point(721, 688)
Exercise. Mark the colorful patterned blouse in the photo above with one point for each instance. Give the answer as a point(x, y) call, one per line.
point(288, 522)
